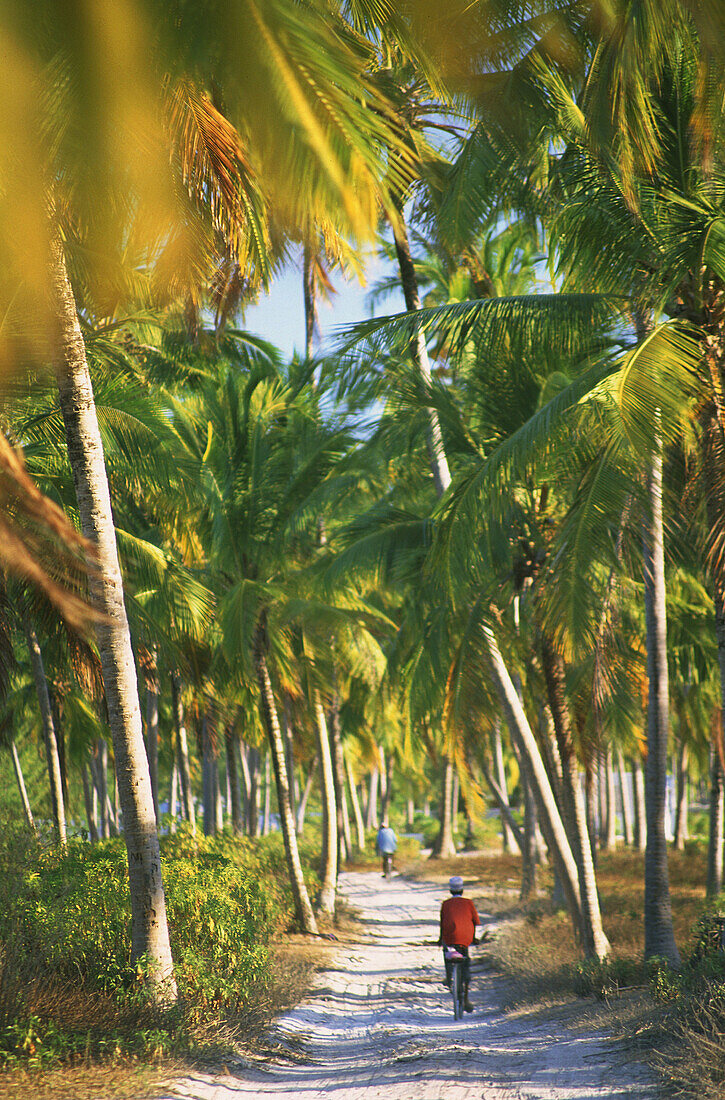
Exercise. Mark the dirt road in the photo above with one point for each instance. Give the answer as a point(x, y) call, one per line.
point(379, 1024)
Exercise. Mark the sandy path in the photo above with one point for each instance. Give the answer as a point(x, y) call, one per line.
point(379, 1024)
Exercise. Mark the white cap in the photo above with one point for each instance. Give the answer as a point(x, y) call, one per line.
point(455, 884)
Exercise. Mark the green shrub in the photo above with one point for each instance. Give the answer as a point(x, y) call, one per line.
point(606, 977)
point(68, 987)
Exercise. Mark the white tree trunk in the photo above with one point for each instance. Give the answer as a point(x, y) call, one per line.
point(328, 889)
point(507, 841)
point(182, 753)
point(21, 787)
point(357, 813)
point(51, 743)
point(149, 930)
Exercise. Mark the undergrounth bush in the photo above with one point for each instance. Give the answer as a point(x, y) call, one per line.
point(68, 989)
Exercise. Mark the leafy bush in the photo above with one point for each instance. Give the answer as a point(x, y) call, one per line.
point(606, 977)
point(68, 987)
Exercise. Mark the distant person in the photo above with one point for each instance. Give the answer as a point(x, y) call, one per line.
point(459, 921)
point(385, 844)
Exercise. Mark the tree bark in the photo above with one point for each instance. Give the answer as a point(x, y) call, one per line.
point(182, 752)
point(28, 813)
point(269, 716)
point(235, 790)
point(49, 738)
point(611, 834)
point(551, 821)
point(625, 801)
point(371, 818)
point(152, 725)
point(90, 799)
point(267, 804)
point(681, 831)
point(444, 846)
point(173, 796)
point(208, 786)
point(659, 936)
point(501, 798)
point(640, 809)
point(507, 840)
point(717, 827)
point(328, 871)
point(357, 813)
point(302, 806)
point(149, 930)
point(344, 837)
point(595, 941)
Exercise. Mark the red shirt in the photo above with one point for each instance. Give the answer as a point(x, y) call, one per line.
point(458, 921)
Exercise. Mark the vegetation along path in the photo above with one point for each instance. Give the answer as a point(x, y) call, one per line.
point(379, 1024)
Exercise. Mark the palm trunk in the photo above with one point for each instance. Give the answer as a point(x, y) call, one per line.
point(235, 790)
point(182, 752)
point(444, 846)
point(659, 936)
point(611, 833)
point(21, 787)
point(507, 818)
point(173, 796)
point(90, 799)
point(310, 299)
point(357, 813)
point(387, 788)
point(100, 782)
point(269, 716)
point(149, 930)
point(267, 803)
point(344, 837)
point(717, 827)
point(152, 726)
point(49, 738)
point(208, 785)
point(590, 782)
point(455, 803)
point(640, 809)
point(328, 888)
point(681, 831)
point(371, 817)
point(552, 825)
point(595, 941)
point(625, 801)
point(507, 841)
point(302, 806)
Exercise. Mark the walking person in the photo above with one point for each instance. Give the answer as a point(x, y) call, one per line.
point(385, 844)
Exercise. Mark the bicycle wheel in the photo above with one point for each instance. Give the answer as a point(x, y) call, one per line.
point(457, 991)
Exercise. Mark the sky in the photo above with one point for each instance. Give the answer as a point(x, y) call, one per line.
point(279, 315)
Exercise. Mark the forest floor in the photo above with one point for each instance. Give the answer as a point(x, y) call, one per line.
point(378, 1023)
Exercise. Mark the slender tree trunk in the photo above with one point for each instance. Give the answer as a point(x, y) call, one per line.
point(507, 842)
point(182, 752)
point(455, 802)
point(355, 802)
point(387, 790)
point(590, 783)
point(267, 812)
point(100, 779)
point(290, 755)
point(173, 796)
point(28, 813)
point(640, 809)
point(409, 813)
point(208, 786)
point(344, 837)
point(434, 438)
point(328, 887)
point(626, 801)
point(149, 931)
point(501, 798)
point(235, 790)
point(717, 827)
point(528, 749)
point(49, 738)
point(269, 716)
point(595, 941)
point(152, 724)
point(681, 831)
point(444, 846)
point(302, 806)
point(371, 819)
point(253, 759)
point(89, 797)
point(659, 936)
point(611, 836)
point(309, 284)
point(247, 781)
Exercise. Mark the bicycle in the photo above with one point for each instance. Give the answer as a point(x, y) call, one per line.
point(458, 988)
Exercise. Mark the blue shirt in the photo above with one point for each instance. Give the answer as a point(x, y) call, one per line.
point(386, 842)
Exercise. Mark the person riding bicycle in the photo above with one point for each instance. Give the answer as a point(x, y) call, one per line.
point(459, 921)
point(385, 844)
